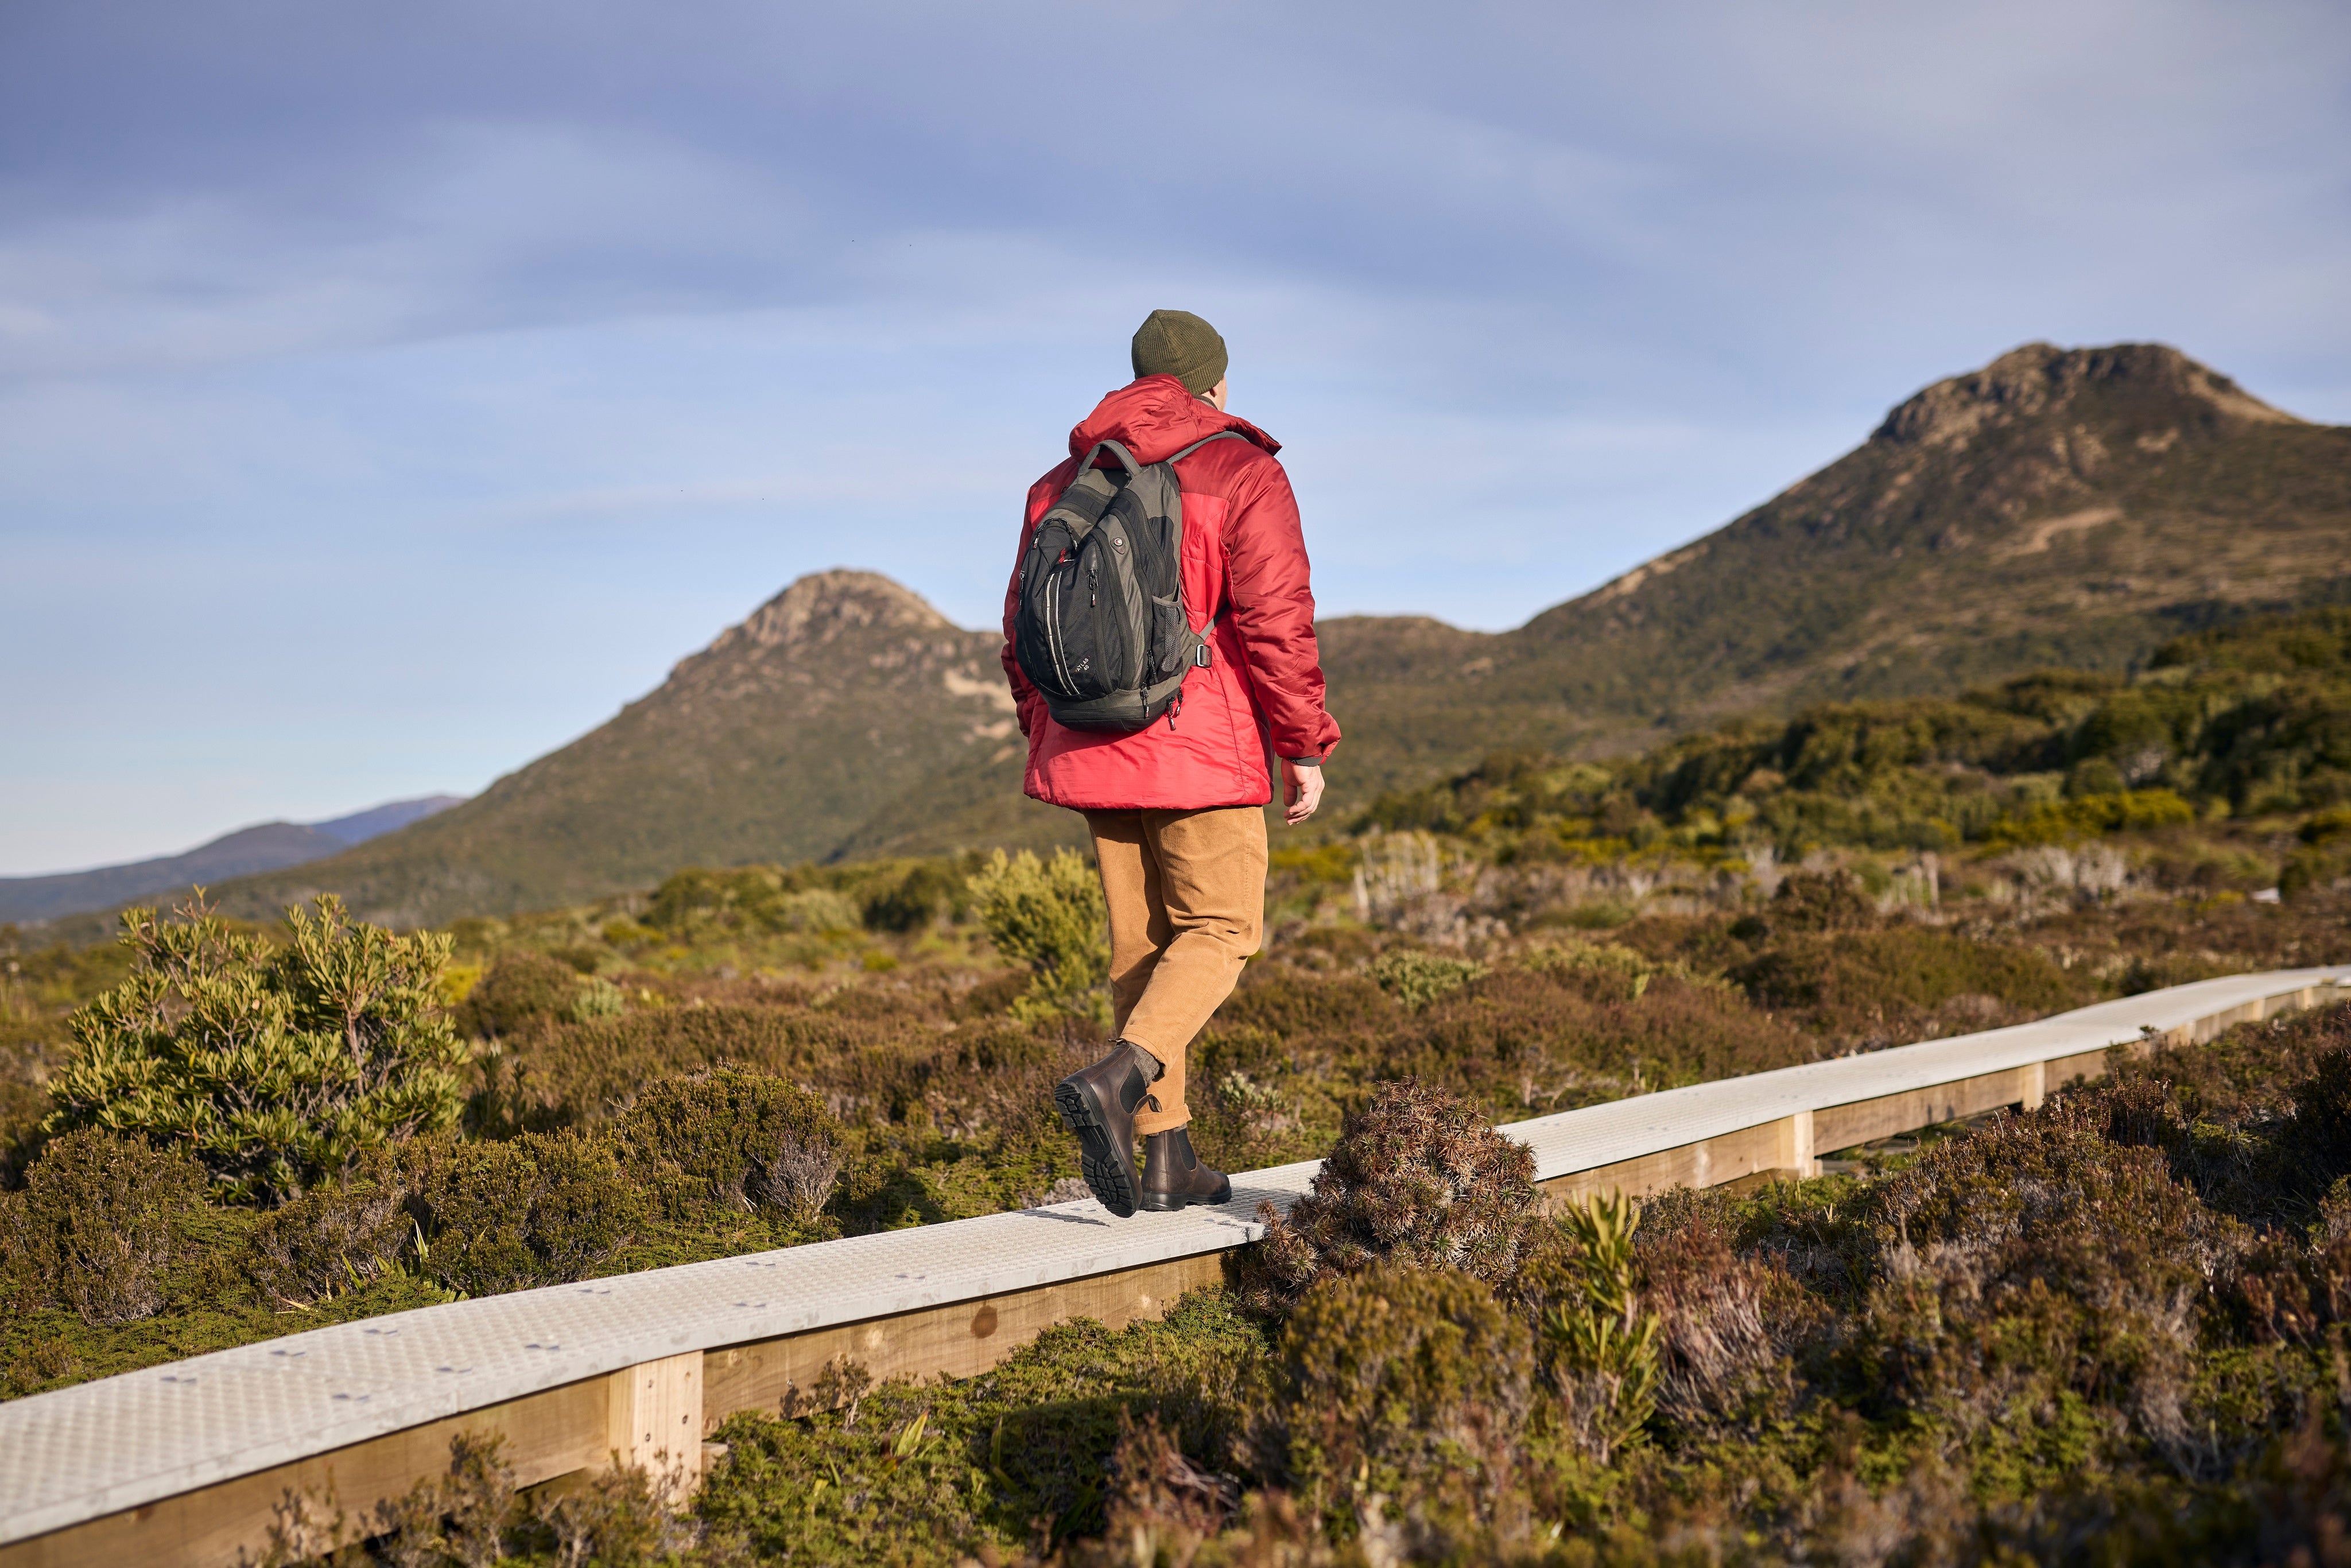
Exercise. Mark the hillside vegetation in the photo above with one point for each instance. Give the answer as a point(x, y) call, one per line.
point(2058, 509)
point(2250, 724)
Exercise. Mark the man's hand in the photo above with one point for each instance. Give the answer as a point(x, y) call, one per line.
point(1302, 790)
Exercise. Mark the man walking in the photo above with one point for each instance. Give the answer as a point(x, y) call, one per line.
point(1176, 808)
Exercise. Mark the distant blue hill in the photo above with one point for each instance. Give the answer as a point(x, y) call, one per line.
point(376, 820)
point(270, 846)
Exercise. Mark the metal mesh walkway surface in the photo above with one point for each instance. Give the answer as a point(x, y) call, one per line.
point(126, 1441)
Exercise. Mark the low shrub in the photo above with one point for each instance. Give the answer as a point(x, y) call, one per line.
point(1402, 1395)
point(521, 987)
point(97, 1225)
point(1906, 981)
point(336, 1238)
point(556, 1075)
point(2252, 1072)
point(541, 1209)
point(1164, 1505)
point(2315, 1146)
point(1418, 1179)
point(1810, 901)
point(1730, 1326)
point(2037, 1264)
point(23, 1104)
point(1014, 1463)
point(1289, 1003)
point(748, 1138)
point(1415, 979)
point(1602, 971)
point(911, 902)
point(278, 1067)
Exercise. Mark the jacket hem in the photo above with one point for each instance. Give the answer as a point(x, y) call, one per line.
point(1264, 799)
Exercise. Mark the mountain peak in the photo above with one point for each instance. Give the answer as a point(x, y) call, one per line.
point(2041, 380)
point(821, 606)
point(827, 619)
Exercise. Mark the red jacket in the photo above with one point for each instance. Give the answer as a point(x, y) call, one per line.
point(1245, 568)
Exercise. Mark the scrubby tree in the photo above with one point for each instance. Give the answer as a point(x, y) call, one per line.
point(275, 1066)
point(1049, 915)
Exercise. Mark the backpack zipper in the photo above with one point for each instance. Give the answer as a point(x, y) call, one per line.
point(1053, 631)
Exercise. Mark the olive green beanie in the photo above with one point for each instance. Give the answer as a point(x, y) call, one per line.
point(1179, 343)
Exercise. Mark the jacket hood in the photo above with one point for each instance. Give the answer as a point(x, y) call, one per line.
point(1155, 418)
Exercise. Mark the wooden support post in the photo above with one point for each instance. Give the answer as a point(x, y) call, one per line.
point(2035, 1085)
point(655, 1419)
point(1800, 1157)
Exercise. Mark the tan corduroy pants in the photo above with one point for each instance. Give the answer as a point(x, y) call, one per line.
point(1186, 894)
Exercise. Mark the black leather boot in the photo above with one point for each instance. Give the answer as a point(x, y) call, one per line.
point(1098, 1105)
point(1173, 1174)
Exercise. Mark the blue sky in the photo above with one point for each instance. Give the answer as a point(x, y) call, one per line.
point(389, 394)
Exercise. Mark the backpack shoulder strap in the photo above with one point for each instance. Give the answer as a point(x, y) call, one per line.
point(1118, 449)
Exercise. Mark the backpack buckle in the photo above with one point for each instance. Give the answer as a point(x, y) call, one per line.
point(1202, 654)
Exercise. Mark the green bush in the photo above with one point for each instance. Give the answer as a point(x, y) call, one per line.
point(2085, 815)
point(22, 1107)
point(1419, 1179)
point(334, 1238)
point(1415, 979)
point(746, 1138)
point(1599, 1347)
point(696, 905)
point(97, 1225)
point(278, 1067)
point(1008, 1466)
point(913, 901)
point(542, 1209)
point(1897, 983)
point(2325, 860)
point(1821, 901)
point(522, 988)
point(1049, 915)
point(1602, 971)
point(1404, 1392)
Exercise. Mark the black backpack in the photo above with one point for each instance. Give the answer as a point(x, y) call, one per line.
point(1102, 629)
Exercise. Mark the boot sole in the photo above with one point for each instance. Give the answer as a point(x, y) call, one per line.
point(1109, 1171)
point(1169, 1202)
